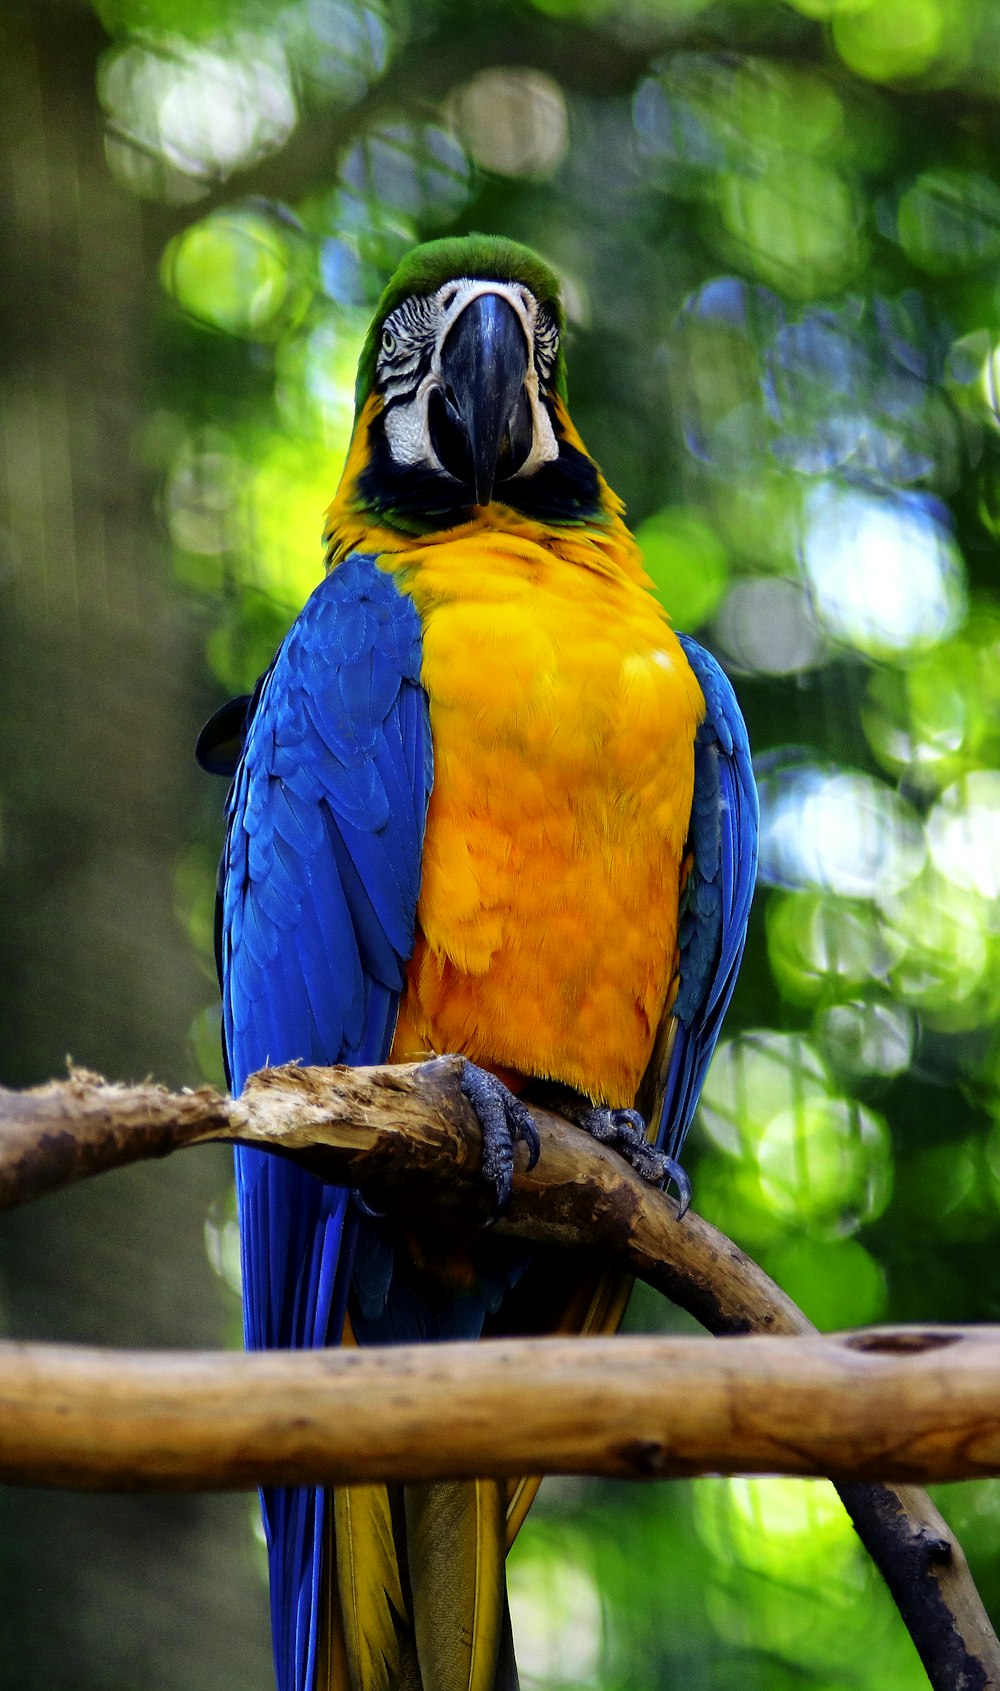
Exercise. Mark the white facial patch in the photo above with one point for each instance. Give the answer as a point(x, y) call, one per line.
point(420, 326)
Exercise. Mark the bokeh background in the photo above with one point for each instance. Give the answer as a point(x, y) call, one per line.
point(779, 229)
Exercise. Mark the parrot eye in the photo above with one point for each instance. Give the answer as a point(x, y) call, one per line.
point(389, 342)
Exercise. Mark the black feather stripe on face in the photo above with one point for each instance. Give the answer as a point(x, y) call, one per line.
point(402, 365)
point(546, 344)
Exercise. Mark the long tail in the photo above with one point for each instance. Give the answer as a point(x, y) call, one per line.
point(415, 1591)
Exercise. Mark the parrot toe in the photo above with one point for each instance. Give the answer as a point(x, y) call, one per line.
point(504, 1120)
point(625, 1130)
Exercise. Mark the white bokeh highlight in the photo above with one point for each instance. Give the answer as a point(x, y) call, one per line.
point(963, 832)
point(558, 1622)
point(203, 111)
point(844, 832)
point(884, 571)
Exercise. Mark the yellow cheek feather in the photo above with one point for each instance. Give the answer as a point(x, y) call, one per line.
point(563, 714)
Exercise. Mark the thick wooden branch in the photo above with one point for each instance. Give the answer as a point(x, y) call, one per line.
point(406, 1135)
point(900, 1402)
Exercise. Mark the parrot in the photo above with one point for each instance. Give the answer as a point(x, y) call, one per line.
point(484, 801)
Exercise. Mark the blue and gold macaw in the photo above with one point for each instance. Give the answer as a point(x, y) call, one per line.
point(484, 801)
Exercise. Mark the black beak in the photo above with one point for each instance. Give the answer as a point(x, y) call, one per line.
point(481, 421)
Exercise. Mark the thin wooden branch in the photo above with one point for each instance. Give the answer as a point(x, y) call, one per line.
point(911, 1404)
point(407, 1136)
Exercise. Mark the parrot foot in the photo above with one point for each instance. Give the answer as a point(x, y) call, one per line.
point(504, 1120)
point(625, 1131)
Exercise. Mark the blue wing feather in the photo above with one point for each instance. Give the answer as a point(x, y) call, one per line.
point(319, 885)
point(715, 904)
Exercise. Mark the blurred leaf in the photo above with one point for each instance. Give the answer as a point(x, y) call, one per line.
point(837, 1284)
point(243, 271)
point(687, 564)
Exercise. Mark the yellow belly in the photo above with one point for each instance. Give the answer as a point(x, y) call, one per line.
point(563, 715)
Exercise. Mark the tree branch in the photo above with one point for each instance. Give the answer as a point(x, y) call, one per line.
point(407, 1136)
point(913, 1404)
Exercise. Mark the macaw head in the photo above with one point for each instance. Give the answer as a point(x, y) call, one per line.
point(461, 395)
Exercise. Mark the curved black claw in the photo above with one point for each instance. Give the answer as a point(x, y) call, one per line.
point(365, 1208)
point(674, 1172)
point(504, 1120)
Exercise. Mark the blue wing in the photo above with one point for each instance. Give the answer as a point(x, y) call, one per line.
point(715, 903)
point(318, 893)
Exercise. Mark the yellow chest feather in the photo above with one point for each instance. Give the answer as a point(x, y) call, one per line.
point(563, 715)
